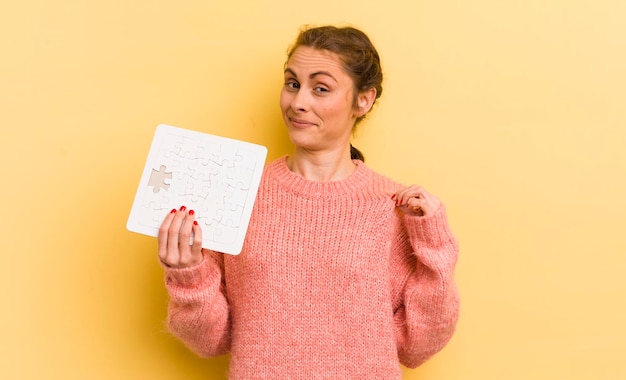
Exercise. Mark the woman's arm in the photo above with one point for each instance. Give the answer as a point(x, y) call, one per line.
point(426, 300)
point(198, 312)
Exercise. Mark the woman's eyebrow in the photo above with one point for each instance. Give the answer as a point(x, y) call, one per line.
point(312, 75)
point(325, 73)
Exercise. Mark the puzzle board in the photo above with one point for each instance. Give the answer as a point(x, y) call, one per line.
point(215, 176)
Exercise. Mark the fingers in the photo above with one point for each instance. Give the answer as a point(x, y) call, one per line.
point(190, 241)
point(173, 238)
point(416, 200)
point(164, 234)
point(413, 191)
point(176, 247)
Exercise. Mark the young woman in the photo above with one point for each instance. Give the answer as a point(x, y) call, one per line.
point(344, 273)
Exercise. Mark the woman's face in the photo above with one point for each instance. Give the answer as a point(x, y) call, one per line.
point(317, 100)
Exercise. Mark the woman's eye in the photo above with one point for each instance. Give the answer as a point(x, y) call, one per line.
point(321, 89)
point(292, 84)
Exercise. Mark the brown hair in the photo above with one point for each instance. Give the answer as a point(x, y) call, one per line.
point(357, 54)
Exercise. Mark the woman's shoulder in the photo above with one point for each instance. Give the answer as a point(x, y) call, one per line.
point(276, 167)
point(378, 178)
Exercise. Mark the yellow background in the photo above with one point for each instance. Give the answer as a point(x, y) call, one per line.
point(513, 112)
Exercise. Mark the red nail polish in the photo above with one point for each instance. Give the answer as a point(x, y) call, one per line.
point(183, 208)
point(191, 212)
point(173, 211)
point(195, 222)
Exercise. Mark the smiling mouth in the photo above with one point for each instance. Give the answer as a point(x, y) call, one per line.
point(299, 123)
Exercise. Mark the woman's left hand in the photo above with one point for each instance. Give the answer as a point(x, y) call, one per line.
point(415, 200)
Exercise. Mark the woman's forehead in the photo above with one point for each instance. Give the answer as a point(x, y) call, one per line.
point(306, 59)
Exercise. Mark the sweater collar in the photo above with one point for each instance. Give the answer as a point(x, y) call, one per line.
point(294, 183)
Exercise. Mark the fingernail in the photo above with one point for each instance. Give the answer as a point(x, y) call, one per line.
point(183, 208)
point(173, 211)
point(191, 212)
point(195, 222)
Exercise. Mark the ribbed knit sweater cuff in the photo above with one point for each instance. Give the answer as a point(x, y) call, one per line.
point(189, 277)
point(432, 231)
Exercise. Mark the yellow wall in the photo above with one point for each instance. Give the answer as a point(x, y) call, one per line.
point(513, 112)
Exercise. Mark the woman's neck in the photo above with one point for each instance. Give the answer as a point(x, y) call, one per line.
point(321, 166)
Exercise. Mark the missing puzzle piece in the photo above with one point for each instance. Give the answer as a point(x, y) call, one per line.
point(157, 179)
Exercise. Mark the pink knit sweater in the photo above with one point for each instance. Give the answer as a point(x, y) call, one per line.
point(333, 283)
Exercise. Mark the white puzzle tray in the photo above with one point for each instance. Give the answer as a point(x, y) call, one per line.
point(217, 177)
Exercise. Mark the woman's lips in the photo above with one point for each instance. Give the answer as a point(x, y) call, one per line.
point(299, 123)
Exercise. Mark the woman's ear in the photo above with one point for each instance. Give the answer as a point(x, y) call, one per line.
point(364, 102)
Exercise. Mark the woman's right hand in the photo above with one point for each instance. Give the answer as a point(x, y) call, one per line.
point(174, 238)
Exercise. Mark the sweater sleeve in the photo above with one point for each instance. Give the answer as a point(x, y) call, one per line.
point(426, 300)
point(198, 311)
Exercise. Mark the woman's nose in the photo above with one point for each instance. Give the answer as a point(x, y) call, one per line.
point(300, 102)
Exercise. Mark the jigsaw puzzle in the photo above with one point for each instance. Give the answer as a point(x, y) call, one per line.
point(215, 176)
